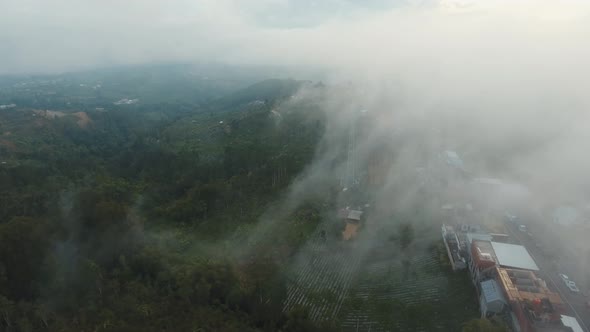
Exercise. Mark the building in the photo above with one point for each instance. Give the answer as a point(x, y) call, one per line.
point(353, 219)
point(350, 231)
point(453, 246)
point(482, 261)
point(534, 306)
point(486, 255)
point(452, 158)
point(470, 237)
point(354, 215)
point(514, 256)
point(491, 300)
point(3, 107)
point(507, 286)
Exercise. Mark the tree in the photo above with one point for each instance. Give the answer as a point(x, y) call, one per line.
point(264, 289)
point(6, 312)
point(298, 320)
point(406, 235)
point(23, 244)
point(43, 313)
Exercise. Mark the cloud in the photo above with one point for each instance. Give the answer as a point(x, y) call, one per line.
point(57, 35)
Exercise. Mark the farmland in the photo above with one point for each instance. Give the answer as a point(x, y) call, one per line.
point(379, 286)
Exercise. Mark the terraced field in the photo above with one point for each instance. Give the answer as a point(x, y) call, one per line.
point(321, 277)
point(408, 292)
point(381, 289)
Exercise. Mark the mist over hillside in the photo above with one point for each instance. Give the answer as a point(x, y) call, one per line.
point(291, 165)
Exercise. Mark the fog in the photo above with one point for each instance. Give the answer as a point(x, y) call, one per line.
point(503, 83)
point(440, 39)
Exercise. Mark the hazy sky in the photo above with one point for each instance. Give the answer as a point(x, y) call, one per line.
point(57, 35)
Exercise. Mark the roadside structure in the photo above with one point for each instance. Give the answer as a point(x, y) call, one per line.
point(534, 306)
point(353, 220)
point(453, 248)
point(486, 255)
point(508, 286)
point(491, 300)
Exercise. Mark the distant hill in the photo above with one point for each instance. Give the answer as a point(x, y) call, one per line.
point(261, 92)
point(180, 84)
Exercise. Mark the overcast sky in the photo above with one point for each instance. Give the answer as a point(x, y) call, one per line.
point(64, 35)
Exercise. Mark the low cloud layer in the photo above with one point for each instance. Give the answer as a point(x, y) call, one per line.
point(436, 39)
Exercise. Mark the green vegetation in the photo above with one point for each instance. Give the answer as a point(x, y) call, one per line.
point(404, 285)
point(164, 85)
point(483, 325)
point(137, 217)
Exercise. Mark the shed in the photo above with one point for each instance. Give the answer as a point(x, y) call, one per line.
point(491, 299)
point(354, 215)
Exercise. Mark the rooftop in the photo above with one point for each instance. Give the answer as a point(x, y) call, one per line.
point(485, 251)
point(533, 303)
point(350, 231)
point(514, 256)
point(525, 286)
point(453, 159)
point(491, 291)
point(478, 236)
point(354, 215)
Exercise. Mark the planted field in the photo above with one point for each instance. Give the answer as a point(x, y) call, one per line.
point(320, 278)
point(384, 289)
point(409, 292)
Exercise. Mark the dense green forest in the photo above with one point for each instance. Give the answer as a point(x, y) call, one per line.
point(135, 217)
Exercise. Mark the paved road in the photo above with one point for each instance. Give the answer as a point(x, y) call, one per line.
point(575, 303)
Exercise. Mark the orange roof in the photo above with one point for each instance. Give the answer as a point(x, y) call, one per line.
point(514, 294)
point(350, 231)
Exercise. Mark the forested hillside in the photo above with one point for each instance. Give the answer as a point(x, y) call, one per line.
point(135, 216)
